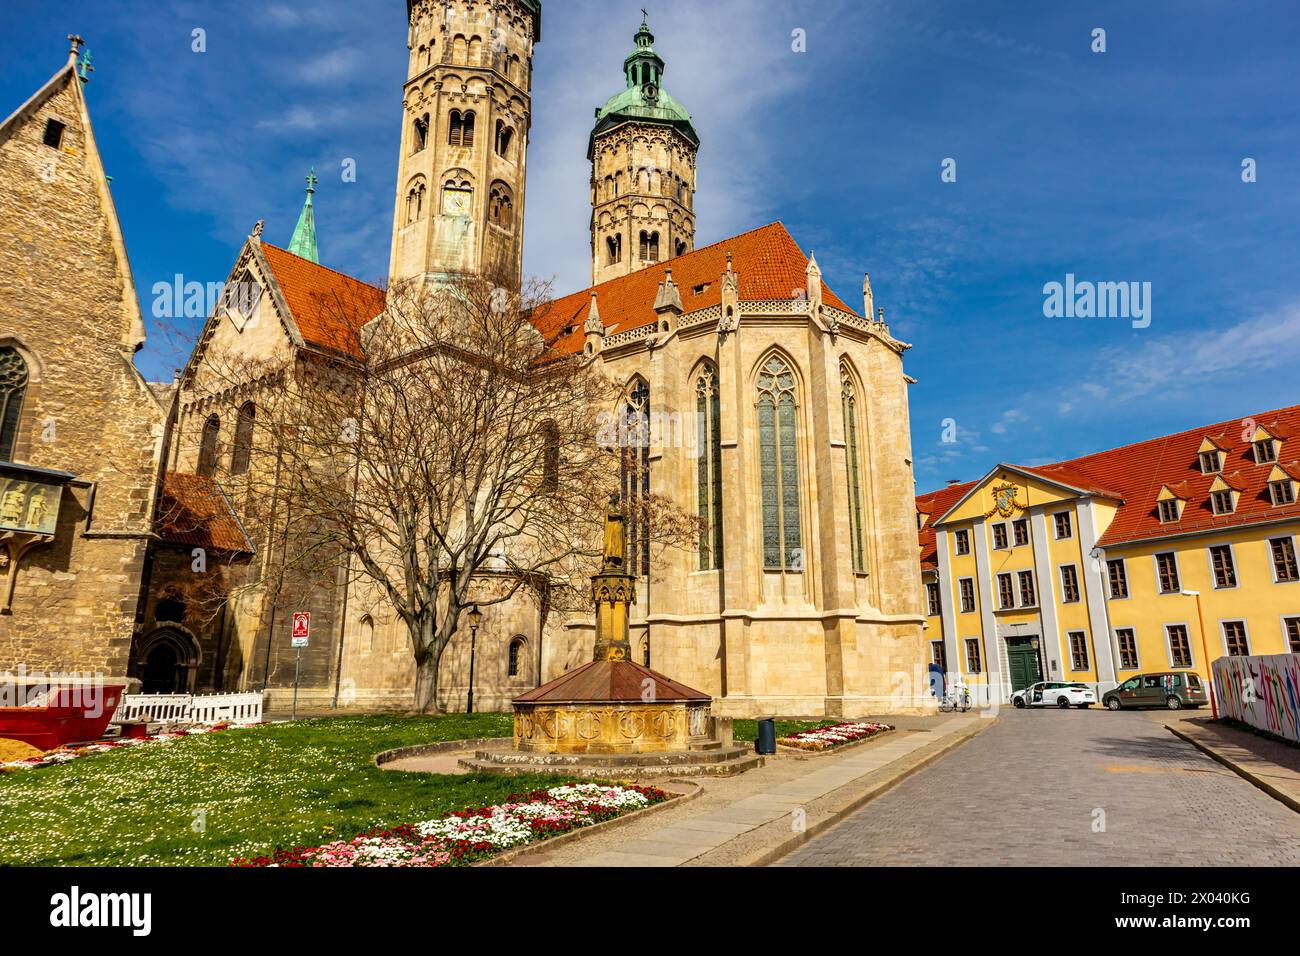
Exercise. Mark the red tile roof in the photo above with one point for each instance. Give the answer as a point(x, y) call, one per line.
point(768, 261)
point(329, 307)
point(934, 504)
point(193, 510)
point(1134, 475)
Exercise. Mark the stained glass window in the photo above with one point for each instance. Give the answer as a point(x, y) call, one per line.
point(708, 415)
point(849, 399)
point(636, 474)
point(13, 386)
point(779, 467)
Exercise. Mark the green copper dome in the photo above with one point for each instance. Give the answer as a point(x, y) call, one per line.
point(645, 99)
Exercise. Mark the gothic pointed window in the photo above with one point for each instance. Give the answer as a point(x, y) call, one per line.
point(13, 387)
point(208, 446)
point(779, 466)
point(708, 417)
point(243, 450)
point(853, 453)
point(635, 478)
point(515, 655)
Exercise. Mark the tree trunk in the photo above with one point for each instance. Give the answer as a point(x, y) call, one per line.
point(426, 684)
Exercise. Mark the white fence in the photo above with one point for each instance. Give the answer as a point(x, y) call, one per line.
point(191, 708)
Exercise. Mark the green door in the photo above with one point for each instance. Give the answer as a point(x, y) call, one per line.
point(1023, 662)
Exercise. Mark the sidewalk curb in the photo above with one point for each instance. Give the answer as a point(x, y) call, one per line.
point(1280, 795)
point(795, 840)
point(510, 857)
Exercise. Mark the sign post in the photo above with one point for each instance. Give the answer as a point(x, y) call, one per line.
point(298, 640)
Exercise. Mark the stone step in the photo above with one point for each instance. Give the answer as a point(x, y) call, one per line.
point(606, 771)
point(703, 745)
point(676, 758)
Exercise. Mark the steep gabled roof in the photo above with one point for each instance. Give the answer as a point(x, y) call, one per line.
point(194, 511)
point(934, 504)
point(767, 260)
point(328, 307)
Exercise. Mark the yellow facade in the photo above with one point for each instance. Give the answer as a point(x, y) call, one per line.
point(1076, 628)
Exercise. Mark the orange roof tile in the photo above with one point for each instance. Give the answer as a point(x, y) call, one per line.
point(329, 307)
point(934, 504)
point(1134, 475)
point(193, 510)
point(768, 261)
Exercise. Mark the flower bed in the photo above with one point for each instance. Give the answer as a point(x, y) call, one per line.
point(824, 738)
point(66, 754)
point(468, 836)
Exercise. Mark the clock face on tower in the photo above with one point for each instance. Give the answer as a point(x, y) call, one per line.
point(455, 202)
point(650, 91)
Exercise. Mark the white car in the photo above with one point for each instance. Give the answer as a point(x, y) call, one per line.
point(1050, 693)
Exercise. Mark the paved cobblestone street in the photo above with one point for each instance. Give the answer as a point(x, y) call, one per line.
point(1028, 790)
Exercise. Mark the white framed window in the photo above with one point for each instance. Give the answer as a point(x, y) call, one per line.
point(1000, 541)
point(1167, 572)
point(1063, 524)
point(967, 588)
point(1117, 577)
point(1180, 645)
point(973, 655)
point(1236, 638)
point(1006, 591)
point(1282, 492)
point(1223, 502)
point(1126, 641)
point(1028, 593)
point(1223, 566)
point(1265, 451)
point(1282, 553)
point(1078, 650)
point(932, 598)
point(1020, 532)
point(937, 655)
point(1169, 510)
point(1069, 584)
point(1210, 462)
point(961, 541)
point(1291, 633)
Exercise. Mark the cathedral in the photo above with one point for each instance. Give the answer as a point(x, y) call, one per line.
point(777, 412)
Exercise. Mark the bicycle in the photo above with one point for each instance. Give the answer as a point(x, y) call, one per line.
point(952, 701)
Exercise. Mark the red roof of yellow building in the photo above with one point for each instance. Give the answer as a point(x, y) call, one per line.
point(1134, 475)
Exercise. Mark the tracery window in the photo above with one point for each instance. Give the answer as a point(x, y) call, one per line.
point(853, 451)
point(708, 415)
point(779, 466)
point(13, 387)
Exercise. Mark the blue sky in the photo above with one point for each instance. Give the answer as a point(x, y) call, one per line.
point(1115, 166)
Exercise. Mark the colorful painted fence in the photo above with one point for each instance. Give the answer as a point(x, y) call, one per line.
point(1262, 691)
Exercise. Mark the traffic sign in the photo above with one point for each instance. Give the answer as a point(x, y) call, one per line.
point(301, 626)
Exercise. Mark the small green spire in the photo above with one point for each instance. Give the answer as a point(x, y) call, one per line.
point(303, 242)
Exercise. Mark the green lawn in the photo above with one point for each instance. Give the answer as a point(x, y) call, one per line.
point(748, 729)
point(286, 784)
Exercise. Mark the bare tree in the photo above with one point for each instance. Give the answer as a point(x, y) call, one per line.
point(461, 443)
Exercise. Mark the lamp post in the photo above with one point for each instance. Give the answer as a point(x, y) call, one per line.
point(475, 619)
point(1205, 652)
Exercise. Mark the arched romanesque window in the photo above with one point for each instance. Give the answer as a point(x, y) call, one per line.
point(208, 446)
point(460, 129)
point(504, 137)
point(415, 202)
point(708, 418)
point(13, 387)
point(476, 50)
point(853, 451)
point(514, 655)
point(421, 133)
point(243, 450)
point(636, 474)
point(501, 210)
point(680, 247)
point(649, 246)
point(614, 246)
point(779, 466)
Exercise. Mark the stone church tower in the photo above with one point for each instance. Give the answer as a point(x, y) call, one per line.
point(467, 110)
point(642, 154)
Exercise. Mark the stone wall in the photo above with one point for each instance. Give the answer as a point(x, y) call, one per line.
point(69, 308)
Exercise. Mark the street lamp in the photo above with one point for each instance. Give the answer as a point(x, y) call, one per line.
point(475, 619)
point(1205, 651)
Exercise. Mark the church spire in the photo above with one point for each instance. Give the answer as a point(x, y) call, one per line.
point(303, 242)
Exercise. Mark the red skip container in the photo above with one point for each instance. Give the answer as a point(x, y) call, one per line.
point(63, 714)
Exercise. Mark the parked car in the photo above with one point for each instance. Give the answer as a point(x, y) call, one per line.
point(1172, 689)
point(1050, 693)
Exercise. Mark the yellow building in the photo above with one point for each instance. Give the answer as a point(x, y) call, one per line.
point(1158, 556)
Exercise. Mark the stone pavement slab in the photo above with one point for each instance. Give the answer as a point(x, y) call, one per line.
point(1271, 765)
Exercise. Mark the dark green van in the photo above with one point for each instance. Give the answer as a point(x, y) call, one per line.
point(1172, 689)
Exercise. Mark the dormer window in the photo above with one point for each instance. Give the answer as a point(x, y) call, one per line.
point(1211, 462)
point(1169, 510)
point(1265, 451)
point(1282, 492)
point(1222, 502)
